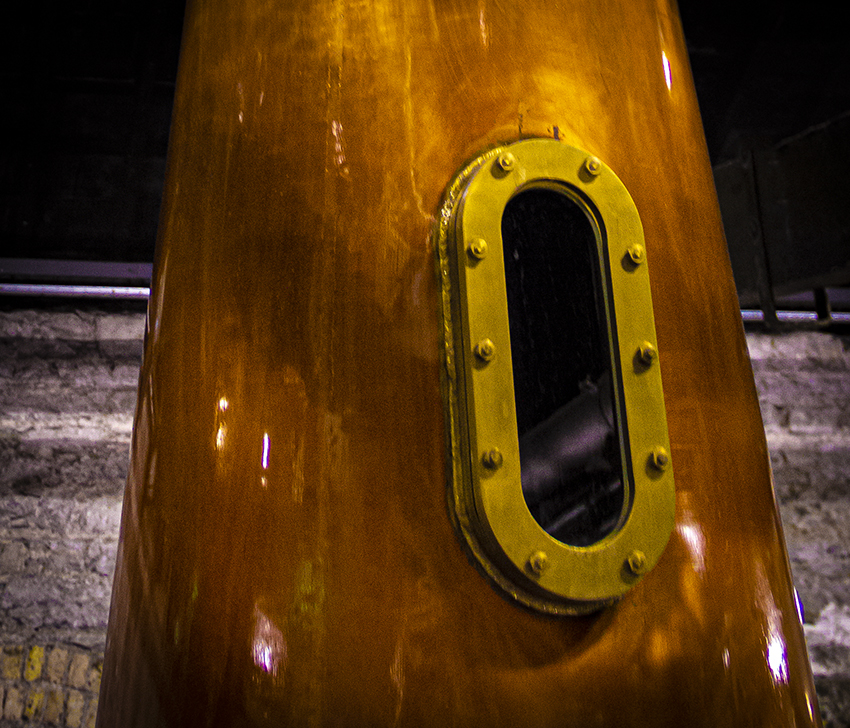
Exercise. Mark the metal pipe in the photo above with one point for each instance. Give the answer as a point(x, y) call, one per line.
point(64, 291)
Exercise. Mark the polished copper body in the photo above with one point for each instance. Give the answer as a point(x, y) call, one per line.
point(286, 557)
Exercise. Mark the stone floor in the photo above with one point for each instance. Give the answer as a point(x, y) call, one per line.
point(67, 391)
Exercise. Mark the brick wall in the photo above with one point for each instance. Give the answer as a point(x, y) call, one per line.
point(57, 686)
point(67, 392)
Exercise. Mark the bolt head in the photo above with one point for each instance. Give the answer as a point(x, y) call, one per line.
point(660, 459)
point(506, 161)
point(493, 459)
point(478, 248)
point(637, 562)
point(637, 253)
point(537, 562)
point(593, 166)
point(647, 353)
point(485, 350)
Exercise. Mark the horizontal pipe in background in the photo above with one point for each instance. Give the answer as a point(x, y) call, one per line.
point(63, 291)
point(140, 292)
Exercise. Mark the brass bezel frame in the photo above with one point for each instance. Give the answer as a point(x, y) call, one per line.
point(485, 499)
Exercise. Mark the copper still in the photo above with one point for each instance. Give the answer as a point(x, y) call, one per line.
point(312, 531)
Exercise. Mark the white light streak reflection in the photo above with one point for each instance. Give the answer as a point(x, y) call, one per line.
point(801, 615)
point(668, 75)
point(482, 25)
point(221, 432)
point(339, 146)
point(777, 659)
point(693, 537)
point(776, 652)
point(268, 647)
point(264, 481)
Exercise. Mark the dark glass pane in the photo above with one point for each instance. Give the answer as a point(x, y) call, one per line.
point(572, 470)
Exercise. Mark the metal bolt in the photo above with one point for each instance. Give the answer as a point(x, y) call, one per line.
point(506, 161)
point(485, 350)
point(537, 562)
point(637, 253)
point(637, 562)
point(659, 458)
point(647, 353)
point(493, 459)
point(593, 166)
point(478, 248)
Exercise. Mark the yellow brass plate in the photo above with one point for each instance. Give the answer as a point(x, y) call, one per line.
point(486, 500)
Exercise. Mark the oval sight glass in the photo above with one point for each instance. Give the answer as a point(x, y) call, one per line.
point(571, 459)
point(561, 489)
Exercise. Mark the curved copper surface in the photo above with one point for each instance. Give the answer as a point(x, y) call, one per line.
point(286, 554)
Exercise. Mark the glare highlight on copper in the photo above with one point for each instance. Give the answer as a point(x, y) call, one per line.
point(777, 659)
point(694, 539)
point(268, 647)
point(482, 26)
point(266, 446)
point(221, 431)
point(668, 75)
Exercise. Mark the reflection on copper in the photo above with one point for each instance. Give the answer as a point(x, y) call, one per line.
point(221, 432)
point(298, 475)
point(694, 539)
point(658, 647)
point(777, 658)
point(397, 677)
point(810, 705)
point(154, 314)
point(668, 75)
point(268, 647)
point(801, 615)
point(776, 652)
point(339, 147)
point(266, 445)
point(482, 24)
point(265, 460)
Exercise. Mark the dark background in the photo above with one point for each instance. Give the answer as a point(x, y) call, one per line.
point(87, 88)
